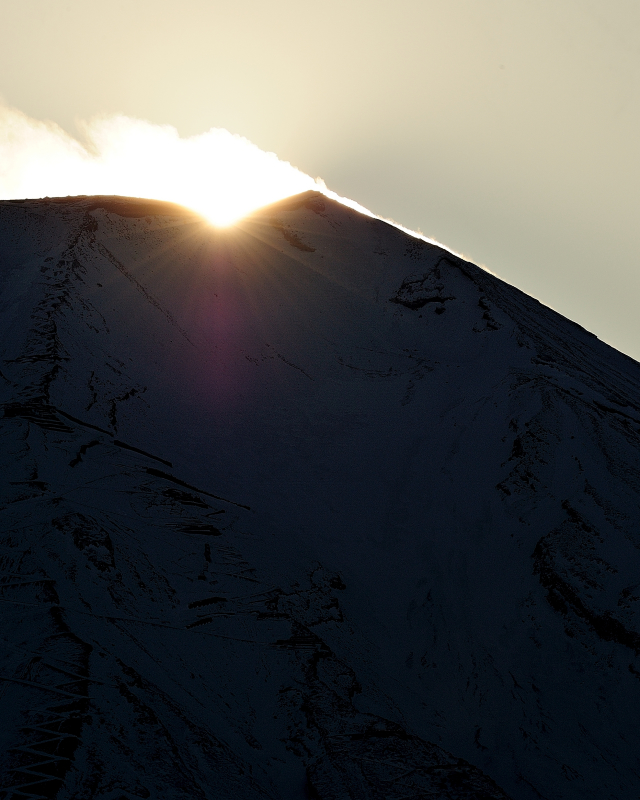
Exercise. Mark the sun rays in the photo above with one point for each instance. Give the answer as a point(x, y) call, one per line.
point(220, 175)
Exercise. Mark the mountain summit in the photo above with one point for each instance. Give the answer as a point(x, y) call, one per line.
point(306, 508)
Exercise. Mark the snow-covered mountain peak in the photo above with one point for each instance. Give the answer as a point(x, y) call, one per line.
point(306, 507)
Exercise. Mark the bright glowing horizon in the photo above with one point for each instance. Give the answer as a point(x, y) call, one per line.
point(221, 175)
point(218, 174)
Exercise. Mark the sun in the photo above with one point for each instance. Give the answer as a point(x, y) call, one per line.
point(218, 174)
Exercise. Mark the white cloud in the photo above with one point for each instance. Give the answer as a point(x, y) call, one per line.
point(219, 174)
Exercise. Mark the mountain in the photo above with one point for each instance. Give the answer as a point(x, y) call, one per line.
point(306, 508)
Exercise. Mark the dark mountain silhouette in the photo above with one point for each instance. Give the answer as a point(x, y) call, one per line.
point(306, 507)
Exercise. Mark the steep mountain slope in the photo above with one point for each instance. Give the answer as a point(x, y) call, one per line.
point(306, 508)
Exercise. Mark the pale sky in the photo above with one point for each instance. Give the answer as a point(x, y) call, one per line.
point(506, 129)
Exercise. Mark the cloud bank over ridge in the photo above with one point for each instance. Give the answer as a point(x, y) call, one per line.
point(220, 174)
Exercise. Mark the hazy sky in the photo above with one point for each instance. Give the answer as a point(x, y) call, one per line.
point(506, 129)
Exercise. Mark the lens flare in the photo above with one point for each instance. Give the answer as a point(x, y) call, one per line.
point(218, 174)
